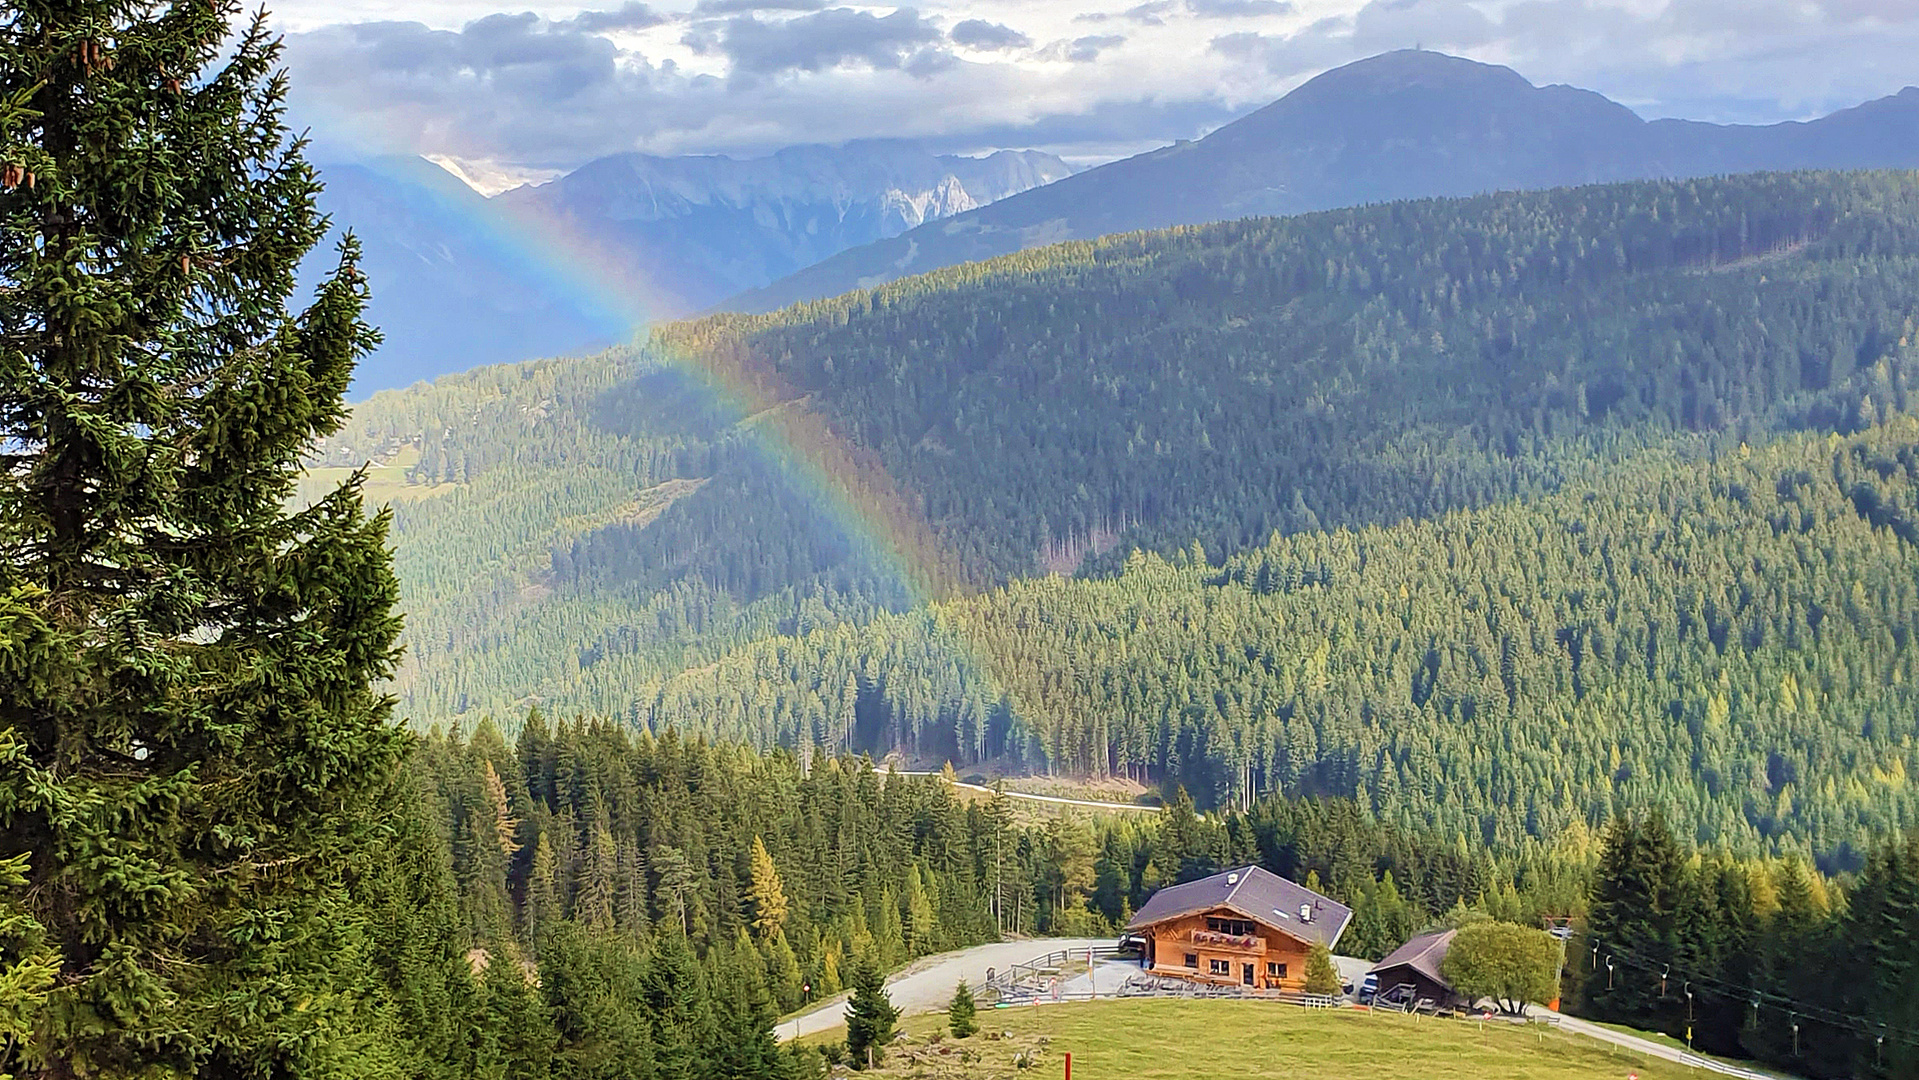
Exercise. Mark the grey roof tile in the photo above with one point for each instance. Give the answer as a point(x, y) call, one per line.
point(1258, 894)
point(1423, 954)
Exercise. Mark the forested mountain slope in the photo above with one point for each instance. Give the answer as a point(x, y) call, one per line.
point(572, 531)
point(1402, 125)
point(1729, 643)
point(1351, 366)
point(465, 280)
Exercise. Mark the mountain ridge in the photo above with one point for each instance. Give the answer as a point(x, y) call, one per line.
point(1400, 125)
point(458, 277)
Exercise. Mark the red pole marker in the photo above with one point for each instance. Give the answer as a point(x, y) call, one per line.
point(1069, 1066)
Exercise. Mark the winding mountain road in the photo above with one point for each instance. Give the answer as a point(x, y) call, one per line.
point(927, 984)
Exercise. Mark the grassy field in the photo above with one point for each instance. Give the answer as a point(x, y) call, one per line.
point(385, 480)
point(1239, 1040)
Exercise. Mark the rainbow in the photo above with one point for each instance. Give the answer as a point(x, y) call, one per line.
point(847, 480)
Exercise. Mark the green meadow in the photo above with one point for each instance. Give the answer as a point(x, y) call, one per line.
point(1168, 1039)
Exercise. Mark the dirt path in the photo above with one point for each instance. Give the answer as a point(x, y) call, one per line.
point(1053, 799)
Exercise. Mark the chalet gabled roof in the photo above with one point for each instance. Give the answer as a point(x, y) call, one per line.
point(1259, 895)
point(1423, 954)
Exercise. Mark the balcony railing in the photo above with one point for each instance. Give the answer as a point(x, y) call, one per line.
point(1243, 943)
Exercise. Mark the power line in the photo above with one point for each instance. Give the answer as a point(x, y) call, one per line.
point(1831, 1017)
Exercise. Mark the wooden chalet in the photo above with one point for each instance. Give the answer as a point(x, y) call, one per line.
point(1247, 927)
point(1411, 973)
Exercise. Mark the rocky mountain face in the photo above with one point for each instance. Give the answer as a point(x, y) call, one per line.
point(700, 229)
point(459, 279)
point(1407, 124)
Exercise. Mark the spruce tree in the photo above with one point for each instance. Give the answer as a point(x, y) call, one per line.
point(27, 966)
point(1634, 894)
point(188, 662)
point(962, 1012)
point(870, 1015)
point(1321, 976)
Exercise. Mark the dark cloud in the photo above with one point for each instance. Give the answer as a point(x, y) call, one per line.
point(833, 38)
point(545, 89)
point(980, 34)
point(632, 16)
point(1237, 9)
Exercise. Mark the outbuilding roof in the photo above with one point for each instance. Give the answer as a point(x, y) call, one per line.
point(1259, 895)
point(1423, 954)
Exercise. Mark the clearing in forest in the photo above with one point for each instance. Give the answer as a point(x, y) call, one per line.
point(1162, 1039)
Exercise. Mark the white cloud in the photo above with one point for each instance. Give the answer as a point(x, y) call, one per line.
point(558, 83)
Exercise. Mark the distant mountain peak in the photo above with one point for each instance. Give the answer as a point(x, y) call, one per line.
point(1405, 124)
point(1414, 67)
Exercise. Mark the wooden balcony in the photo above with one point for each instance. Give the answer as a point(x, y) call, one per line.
point(1212, 939)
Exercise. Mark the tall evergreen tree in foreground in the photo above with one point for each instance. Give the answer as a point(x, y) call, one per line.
point(870, 1015)
point(185, 664)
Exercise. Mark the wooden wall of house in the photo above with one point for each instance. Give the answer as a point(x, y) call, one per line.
point(1172, 941)
point(1425, 986)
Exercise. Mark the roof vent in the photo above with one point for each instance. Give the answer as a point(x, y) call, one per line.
point(1305, 913)
point(1232, 879)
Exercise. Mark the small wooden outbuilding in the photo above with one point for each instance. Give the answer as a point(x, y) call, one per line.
point(1412, 973)
point(1247, 927)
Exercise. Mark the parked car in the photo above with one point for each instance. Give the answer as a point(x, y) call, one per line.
point(1368, 987)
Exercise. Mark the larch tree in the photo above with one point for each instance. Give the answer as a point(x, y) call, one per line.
point(185, 662)
point(765, 892)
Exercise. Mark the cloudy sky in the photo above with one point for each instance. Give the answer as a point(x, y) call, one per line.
point(546, 86)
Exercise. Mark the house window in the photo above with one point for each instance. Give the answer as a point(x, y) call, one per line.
point(1275, 970)
point(1235, 927)
point(1221, 967)
point(1192, 960)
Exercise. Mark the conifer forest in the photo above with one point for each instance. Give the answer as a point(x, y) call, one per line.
point(1542, 557)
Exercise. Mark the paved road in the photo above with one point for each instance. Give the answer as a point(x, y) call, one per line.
point(1651, 1048)
point(927, 985)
